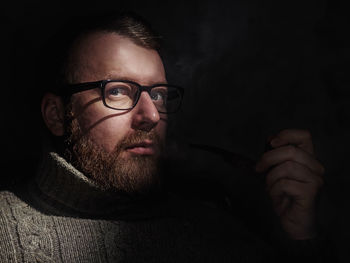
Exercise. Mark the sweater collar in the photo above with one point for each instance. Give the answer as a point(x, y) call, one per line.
point(60, 185)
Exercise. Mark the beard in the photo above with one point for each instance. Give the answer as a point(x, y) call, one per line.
point(116, 171)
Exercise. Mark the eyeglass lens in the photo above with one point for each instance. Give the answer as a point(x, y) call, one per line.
point(121, 95)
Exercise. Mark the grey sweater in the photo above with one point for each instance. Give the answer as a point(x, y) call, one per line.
point(62, 216)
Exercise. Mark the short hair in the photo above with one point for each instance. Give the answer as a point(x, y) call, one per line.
point(54, 62)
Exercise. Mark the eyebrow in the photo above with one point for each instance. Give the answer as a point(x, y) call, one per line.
point(114, 76)
point(119, 77)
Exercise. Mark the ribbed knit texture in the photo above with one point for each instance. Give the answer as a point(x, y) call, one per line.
point(65, 217)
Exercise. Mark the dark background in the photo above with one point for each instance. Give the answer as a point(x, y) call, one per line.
point(250, 68)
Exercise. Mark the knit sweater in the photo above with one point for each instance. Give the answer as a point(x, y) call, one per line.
point(62, 216)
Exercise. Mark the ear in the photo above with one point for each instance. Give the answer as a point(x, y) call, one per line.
point(52, 110)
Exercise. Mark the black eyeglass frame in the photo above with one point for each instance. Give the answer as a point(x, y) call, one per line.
point(71, 89)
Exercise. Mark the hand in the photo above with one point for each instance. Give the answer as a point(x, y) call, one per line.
point(294, 178)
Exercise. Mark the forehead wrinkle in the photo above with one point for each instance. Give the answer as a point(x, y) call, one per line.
point(86, 68)
point(116, 76)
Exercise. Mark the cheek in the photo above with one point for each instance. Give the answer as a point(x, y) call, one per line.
point(108, 127)
point(109, 132)
point(105, 128)
point(161, 128)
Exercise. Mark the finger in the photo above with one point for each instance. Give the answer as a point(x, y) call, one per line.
point(281, 203)
point(303, 194)
point(300, 138)
point(288, 153)
point(293, 171)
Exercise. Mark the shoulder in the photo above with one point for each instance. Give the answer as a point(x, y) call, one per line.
point(13, 210)
point(6, 197)
point(8, 201)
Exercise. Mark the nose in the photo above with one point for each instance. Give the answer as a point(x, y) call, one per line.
point(146, 115)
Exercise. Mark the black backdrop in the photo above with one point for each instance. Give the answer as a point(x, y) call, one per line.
point(250, 68)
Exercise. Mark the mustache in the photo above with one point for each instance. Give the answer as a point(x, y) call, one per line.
point(140, 136)
point(73, 134)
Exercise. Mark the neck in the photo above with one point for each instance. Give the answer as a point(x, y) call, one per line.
point(62, 186)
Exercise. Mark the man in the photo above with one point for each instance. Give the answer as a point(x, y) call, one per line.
point(99, 194)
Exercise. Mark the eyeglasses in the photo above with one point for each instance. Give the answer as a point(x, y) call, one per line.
point(124, 94)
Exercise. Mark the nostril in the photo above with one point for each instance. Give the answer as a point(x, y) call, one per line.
point(145, 124)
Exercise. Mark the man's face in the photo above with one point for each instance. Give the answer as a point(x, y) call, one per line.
point(119, 149)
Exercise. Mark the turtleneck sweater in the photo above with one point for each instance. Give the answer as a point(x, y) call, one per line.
point(62, 216)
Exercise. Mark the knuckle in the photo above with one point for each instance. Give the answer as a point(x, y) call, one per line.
point(291, 151)
point(320, 181)
point(315, 183)
point(322, 170)
point(289, 166)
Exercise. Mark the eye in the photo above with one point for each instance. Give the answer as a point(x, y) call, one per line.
point(117, 91)
point(159, 94)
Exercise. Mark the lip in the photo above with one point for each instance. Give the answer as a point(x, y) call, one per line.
point(142, 148)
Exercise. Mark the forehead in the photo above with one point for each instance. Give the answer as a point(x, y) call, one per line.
point(104, 55)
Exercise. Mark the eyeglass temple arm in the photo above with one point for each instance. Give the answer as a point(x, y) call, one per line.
point(70, 89)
